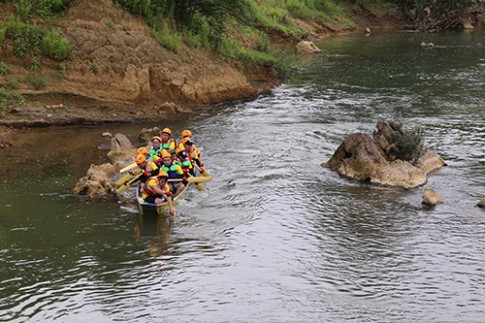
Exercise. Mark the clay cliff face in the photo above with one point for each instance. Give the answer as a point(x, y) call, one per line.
point(134, 71)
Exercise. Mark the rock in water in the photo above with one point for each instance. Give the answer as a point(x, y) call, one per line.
point(431, 197)
point(97, 182)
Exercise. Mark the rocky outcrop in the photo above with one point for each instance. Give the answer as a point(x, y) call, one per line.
point(376, 160)
point(97, 183)
point(121, 149)
point(307, 47)
point(481, 203)
point(431, 198)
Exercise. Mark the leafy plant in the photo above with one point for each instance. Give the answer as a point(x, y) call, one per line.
point(12, 82)
point(56, 46)
point(94, 67)
point(5, 98)
point(4, 69)
point(409, 143)
point(36, 81)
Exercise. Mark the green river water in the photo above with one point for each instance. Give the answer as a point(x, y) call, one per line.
point(275, 238)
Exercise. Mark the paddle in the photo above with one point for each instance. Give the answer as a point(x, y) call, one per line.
point(200, 186)
point(124, 187)
point(170, 205)
point(126, 178)
point(205, 173)
point(195, 179)
point(127, 168)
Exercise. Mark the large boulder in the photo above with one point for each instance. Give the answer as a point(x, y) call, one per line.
point(121, 149)
point(97, 183)
point(379, 160)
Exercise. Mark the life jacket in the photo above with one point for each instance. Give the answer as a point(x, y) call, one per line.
point(154, 151)
point(171, 171)
point(167, 145)
point(148, 189)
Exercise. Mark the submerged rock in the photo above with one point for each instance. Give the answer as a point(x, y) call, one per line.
point(431, 197)
point(377, 160)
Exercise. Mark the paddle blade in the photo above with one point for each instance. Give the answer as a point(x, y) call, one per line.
point(124, 187)
point(127, 168)
point(123, 179)
point(199, 179)
point(170, 206)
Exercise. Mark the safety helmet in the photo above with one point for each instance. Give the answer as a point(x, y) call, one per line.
point(142, 151)
point(187, 140)
point(157, 138)
point(140, 159)
point(167, 130)
point(165, 154)
point(186, 133)
point(181, 153)
point(162, 174)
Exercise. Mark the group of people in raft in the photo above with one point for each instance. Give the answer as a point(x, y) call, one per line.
point(165, 160)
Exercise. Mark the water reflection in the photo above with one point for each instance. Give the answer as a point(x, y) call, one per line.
point(153, 231)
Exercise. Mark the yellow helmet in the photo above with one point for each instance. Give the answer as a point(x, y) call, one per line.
point(162, 174)
point(142, 151)
point(157, 138)
point(186, 133)
point(140, 159)
point(167, 130)
point(166, 154)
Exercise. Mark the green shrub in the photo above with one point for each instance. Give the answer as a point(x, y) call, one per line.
point(55, 46)
point(409, 143)
point(23, 8)
point(3, 32)
point(36, 81)
point(47, 8)
point(4, 69)
point(94, 67)
point(12, 82)
point(170, 41)
point(5, 98)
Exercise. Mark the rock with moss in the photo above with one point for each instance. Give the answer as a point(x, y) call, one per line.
point(393, 156)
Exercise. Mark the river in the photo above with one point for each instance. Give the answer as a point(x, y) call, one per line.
point(275, 237)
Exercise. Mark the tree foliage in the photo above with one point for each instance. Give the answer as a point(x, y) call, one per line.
point(427, 15)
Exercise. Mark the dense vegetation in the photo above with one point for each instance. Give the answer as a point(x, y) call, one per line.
point(238, 29)
point(427, 15)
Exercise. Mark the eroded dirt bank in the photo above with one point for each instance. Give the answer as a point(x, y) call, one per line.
point(117, 71)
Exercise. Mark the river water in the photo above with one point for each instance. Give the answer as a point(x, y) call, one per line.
point(275, 238)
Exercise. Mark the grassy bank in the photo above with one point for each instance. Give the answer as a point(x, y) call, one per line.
point(254, 32)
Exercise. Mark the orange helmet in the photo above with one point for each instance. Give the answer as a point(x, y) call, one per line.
point(187, 140)
point(162, 174)
point(167, 130)
point(157, 138)
point(178, 150)
point(142, 151)
point(165, 154)
point(140, 159)
point(186, 133)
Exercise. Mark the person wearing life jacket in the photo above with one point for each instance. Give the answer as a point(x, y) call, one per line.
point(195, 152)
point(154, 158)
point(174, 171)
point(148, 167)
point(156, 189)
point(167, 142)
point(183, 161)
point(188, 145)
point(156, 148)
